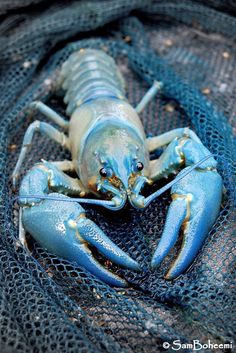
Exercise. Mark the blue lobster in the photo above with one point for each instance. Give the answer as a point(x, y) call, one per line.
point(111, 157)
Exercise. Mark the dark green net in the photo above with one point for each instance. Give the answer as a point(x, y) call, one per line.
point(50, 305)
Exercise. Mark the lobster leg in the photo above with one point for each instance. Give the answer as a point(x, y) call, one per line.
point(183, 151)
point(50, 114)
point(45, 129)
point(162, 140)
point(195, 207)
point(65, 166)
point(156, 86)
point(196, 201)
point(196, 197)
point(62, 227)
point(22, 235)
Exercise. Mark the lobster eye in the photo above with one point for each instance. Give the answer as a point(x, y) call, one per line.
point(139, 166)
point(105, 172)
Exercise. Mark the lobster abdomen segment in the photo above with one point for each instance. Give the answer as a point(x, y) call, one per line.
point(90, 74)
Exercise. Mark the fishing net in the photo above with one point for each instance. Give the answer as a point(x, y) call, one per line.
point(50, 305)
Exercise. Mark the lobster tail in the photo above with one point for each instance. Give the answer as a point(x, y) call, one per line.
point(90, 74)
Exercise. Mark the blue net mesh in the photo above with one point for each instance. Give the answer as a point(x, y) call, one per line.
point(50, 305)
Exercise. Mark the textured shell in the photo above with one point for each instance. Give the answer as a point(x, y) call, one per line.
point(89, 74)
point(97, 106)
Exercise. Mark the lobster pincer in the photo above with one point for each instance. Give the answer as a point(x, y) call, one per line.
point(196, 197)
point(110, 156)
point(62, 227)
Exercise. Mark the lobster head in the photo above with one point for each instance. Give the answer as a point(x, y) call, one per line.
point(114, 159)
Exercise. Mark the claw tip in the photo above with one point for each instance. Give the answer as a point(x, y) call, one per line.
point(136, 266)
point(168, 276)
point(155, 262)
point(171, 275)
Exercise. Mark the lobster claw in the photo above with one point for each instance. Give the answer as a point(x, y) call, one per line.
point(195, 206)
point(65, 231)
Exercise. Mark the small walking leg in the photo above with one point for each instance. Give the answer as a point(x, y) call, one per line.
point(64, 166)
point(50, 114)
point(164, 139)
point(22, 236)
point(45, 129)
point(148, 96)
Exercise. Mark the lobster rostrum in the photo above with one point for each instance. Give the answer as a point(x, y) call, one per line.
point(111, 157)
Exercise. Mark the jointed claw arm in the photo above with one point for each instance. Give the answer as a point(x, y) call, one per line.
point(196, 197)
point(62, 227)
